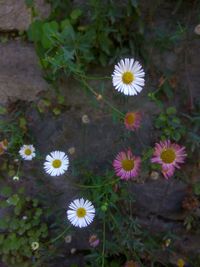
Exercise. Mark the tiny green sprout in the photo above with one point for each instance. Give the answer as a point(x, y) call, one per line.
point(104, 207)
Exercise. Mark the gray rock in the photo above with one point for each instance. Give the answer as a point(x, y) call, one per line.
point(15, 15)
point(20, 75)
point(158, 204)
point(159, 197)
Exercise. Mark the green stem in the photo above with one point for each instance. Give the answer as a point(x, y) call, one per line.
point(94, 77)
point(104, 239)
point(103, 99)
point(112, 107)
point(18, 168)
point(95, 186)
point(111, 215)
point(138, 258)
point(59, 236)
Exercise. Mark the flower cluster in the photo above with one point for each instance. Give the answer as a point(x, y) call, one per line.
point(168, 155)
point(127, 78)
point(81, 212)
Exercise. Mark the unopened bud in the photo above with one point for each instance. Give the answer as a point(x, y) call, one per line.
point(99, 97)
point(85, 119)
point(71, 150)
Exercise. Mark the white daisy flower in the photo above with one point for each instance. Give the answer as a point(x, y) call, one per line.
point(81, 212)
point(27, 152)
point(128, 77)
point(56, 163)
point(16, 178)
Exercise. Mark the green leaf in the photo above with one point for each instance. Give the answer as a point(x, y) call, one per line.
point(134, 3)
point(76, 13)
point(14, 224)
point(177, 136)
point(13, 200)
point(11, 172)
point(17, 209)
point(167, 131)
point(147, 154)
point(171, 110)
point(168, 90)
point(22, 123)
point(35, 31)
point(6, 191)
point(155, 166)
point(29, 3)
point(163, 117)
point(67, 30)
point(196, 188)
point(61, 99)
point(3, 224)
point(50, 31)
point(3, 110)
point(176, 120)
point(56, 111)
point(1, 238)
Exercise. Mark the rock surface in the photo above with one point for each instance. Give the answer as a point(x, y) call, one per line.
point(15, 15)
point(20, 75)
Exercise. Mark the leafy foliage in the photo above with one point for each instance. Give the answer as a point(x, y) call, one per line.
point(193, 136)
point(97, 33)
point(22, 224)
point(14, 128)
point(170, 125)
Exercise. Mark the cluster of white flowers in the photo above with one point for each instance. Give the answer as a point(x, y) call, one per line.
point(80, 213)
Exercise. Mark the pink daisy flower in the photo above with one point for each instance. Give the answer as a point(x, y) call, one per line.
point(169, 155)
point(132, 120)
point(126, 165)
point(94, 241)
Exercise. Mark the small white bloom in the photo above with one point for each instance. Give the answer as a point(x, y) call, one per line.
point(128, 77)
point(73, 250)
point(15, 178)
point(197, 29)
point(154, 175)
point(34, 245)
point(68, 239)
point(85, 119)
point(56, 163)
point(27, 152)
point(81, 212)
point(24, 218)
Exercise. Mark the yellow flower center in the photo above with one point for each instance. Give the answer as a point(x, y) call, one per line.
point(128, 164)
point(180, 263)
point(128, 77)
point(27, 152)
point(81, 212)
point(168, 155)
point(56, 163)
point(130, 118)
